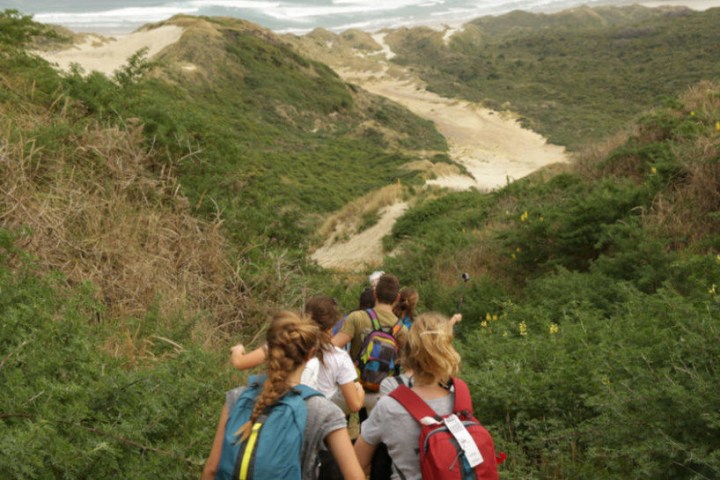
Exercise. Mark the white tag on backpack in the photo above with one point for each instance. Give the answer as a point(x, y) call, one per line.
point(458, 430)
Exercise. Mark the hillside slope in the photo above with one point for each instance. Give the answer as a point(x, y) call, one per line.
point(574, 76)
point(591, 320)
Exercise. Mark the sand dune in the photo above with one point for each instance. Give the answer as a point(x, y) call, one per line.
point(106, 55)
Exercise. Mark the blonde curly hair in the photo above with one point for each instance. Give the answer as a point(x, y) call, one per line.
point(429, 350)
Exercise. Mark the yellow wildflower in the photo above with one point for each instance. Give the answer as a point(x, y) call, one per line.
point(494, 317)
point(717, 258)
point(518, 249)
point(717, 126)
point(711, 290)
point(513, 256)
point(554, 328)
point(524, 216)
point(653, 170)
point(483, 323)
point(692, 114)
point(522, 329)
point(487, 316)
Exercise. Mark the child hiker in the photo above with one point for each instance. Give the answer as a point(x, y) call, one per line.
point(252, 441)
point(332, 373)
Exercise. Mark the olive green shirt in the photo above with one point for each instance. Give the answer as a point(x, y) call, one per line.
point(358, 325)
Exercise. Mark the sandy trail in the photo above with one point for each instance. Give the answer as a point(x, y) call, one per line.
point(361, 249)
point(106, 55)
point(493, 147)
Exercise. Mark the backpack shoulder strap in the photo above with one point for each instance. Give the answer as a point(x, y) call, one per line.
point(306, 392)
point(397, 327)
point(373, 319)
point(412, 402)
point(463, 401)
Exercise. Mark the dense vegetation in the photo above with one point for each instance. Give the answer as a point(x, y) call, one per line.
point(592, 318)
point(268, 137)
point(150, 219)
point(591, 327)
point(575, 76)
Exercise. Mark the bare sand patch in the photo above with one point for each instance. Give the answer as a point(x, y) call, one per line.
point(363, 249)
point(492, 146)
point(105, 55)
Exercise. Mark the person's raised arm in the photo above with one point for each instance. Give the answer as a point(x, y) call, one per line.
point(354, 395)
point(364, 452)
point(341, 339)
point(338, 442)
point(243, 361)
point(211, 465)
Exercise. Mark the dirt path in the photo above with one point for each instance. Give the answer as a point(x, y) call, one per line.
point(361, 249)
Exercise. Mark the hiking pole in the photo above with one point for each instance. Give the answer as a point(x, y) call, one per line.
point(458, 308)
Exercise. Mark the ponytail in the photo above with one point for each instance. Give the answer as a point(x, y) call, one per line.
point(405, 306)
point(324, 311)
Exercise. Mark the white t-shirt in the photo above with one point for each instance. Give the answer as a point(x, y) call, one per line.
point(309, 375)
point(336, 369)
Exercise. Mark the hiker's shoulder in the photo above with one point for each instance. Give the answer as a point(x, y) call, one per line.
point(357, 316)
point(323, 412)
point(231, 396)
point(387, 317)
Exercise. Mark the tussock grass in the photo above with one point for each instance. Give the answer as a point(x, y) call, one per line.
point(94, 212)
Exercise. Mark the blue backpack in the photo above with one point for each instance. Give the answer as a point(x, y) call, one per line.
point(274, 446)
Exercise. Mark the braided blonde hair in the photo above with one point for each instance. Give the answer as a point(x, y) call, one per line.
point(291, 341)
point(429, 351)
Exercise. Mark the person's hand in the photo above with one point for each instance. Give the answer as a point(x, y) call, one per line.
point(455, 319)
point(238, 349)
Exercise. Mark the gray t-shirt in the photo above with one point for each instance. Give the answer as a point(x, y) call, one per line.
point(392, 425)
point(323, 418)
point(391, 383)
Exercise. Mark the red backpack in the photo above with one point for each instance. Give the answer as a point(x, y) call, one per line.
point(443, 455)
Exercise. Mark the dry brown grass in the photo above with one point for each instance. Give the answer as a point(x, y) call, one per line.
point(350, 217)
point(95, 212)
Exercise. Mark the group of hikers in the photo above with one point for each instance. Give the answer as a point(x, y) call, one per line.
point(397, 370)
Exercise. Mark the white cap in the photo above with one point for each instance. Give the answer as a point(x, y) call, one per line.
point(374, 277)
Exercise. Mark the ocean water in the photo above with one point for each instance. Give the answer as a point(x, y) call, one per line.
point(296, 16)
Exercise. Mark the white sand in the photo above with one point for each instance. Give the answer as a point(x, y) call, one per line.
point(363, 249)
point(107, 55)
